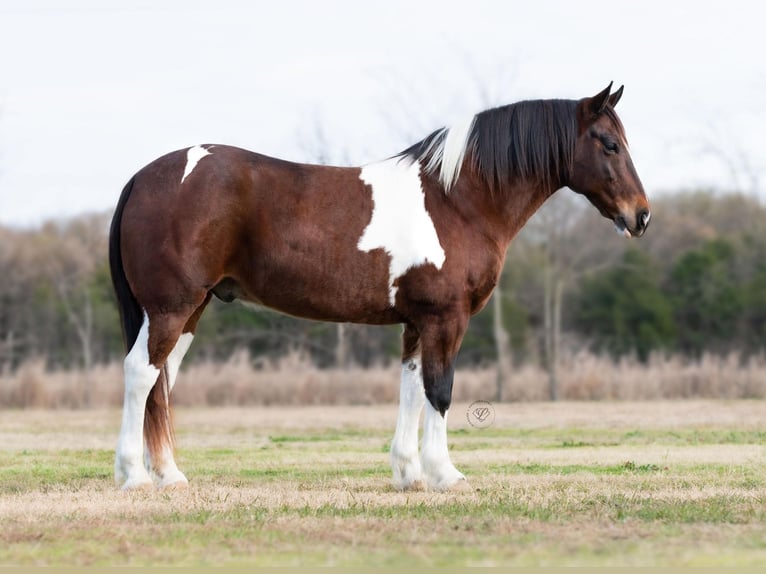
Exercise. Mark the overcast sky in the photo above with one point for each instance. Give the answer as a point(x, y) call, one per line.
point(90, 91)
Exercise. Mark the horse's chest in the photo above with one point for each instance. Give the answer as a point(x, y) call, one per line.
point(399, 223)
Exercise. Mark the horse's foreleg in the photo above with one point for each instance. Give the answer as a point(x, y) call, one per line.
point(440, 345)
point(404, 447)
point(439, 472)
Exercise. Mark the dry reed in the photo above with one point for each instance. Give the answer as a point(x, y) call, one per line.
point(294, 380)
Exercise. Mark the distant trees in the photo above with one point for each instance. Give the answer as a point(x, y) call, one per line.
point(55, 294)
point(563, 251)
point(695, 284)
point(706, 297)
point(697, 287)
point(623, 309)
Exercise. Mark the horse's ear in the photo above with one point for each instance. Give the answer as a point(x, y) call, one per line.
point(615, 97)
point(597, 103)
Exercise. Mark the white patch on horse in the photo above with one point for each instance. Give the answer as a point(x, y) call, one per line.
point(193, 156)
point(438, 470)
point(140, 376)
point(400, 223)
point(176, 356)
point(404, 446)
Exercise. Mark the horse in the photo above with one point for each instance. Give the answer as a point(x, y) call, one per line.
point(417, 239)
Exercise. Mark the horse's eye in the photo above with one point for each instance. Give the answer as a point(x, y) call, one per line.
point(610, 146)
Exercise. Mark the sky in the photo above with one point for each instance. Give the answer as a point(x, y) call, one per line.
point(90, 91)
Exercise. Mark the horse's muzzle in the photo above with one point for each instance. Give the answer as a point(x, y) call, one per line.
point(641, 223)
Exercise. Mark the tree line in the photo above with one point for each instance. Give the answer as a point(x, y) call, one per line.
point(696, 283)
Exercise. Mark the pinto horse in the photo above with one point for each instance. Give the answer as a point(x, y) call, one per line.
point(417, 239)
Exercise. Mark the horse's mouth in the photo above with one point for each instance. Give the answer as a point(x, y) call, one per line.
point(642, 222)
point(622, 227)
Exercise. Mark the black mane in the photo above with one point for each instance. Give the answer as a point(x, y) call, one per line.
point(529, 140)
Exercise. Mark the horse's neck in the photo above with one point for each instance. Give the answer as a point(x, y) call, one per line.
point(521, 202)
point(503, 211)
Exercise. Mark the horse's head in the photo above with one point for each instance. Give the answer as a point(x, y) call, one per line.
point(602, 169)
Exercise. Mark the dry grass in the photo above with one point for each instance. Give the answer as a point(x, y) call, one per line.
point(292, 380)
point(599, 483)
point(233, 427)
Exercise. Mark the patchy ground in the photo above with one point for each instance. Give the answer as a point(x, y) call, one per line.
point(661, 483)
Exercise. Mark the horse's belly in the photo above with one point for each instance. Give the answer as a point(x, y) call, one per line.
point(348, 289)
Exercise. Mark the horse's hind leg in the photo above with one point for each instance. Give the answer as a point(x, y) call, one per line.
point(162, 467)
point(140, 377)
point(146, 411)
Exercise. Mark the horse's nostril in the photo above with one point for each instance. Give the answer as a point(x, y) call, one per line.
point(642, 218)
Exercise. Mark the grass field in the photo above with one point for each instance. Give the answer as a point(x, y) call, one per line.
point(656, 483)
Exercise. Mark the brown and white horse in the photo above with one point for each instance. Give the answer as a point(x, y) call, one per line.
point(417, 239)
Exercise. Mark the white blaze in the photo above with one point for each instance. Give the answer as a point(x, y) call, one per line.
point(400, 223)
point(193, 156)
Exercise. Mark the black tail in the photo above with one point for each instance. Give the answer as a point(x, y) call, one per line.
point(130, 311)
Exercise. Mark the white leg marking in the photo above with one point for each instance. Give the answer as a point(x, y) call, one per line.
point(165, 471)
point(400, 223)
point(168, 474)
point(438, 469)
point(404, 447)
point(193, 156)
point(140, 376)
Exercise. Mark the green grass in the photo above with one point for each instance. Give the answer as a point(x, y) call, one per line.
point(587, 495)
point(39, 470)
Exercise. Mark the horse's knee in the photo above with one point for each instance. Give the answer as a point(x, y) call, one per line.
point(438, 387)
point(440, 342)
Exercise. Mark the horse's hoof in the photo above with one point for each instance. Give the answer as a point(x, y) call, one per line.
point(461, 486)
point(173, 480)
point(414, 486)
point(132, 485)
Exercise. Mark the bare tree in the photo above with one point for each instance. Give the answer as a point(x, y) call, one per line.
point(565, 246)
point(68, 256)
point(19, 275)
point(502, 345)
point(721, 144)
point(8, 296)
